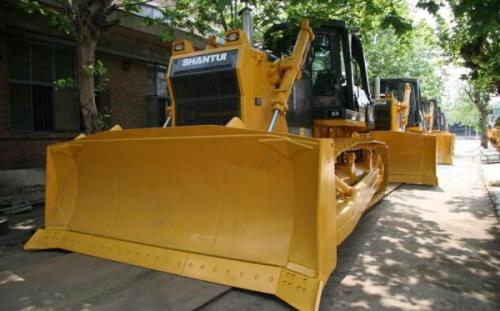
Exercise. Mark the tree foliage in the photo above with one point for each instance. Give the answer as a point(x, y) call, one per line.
point(463, 111)
point(471, 109)
point(394, 46)
point(416, 54)
point(472, 38)
point(209, 16)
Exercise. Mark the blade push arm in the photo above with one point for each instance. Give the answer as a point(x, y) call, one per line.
point(429, 117)
point(405, 105)
point(288, 69)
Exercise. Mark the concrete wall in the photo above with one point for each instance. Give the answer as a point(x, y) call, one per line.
point(27, 150)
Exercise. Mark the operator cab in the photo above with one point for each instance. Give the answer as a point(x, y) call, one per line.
point(437, 121)
point(337, 71)
point(336, 80)
point(397, 87)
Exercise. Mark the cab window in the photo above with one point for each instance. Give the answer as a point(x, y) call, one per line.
point(356, 71)
point(321, 66)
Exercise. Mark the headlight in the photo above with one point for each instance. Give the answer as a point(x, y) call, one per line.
point(232, 36)
point(179, 47)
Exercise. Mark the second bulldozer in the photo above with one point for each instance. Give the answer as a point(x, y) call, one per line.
point(399, 123)
point(438, 126)
point(493, 133)
point(261, 175)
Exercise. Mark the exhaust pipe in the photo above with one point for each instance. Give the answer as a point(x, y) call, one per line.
point(247, 23)
point(377, 87)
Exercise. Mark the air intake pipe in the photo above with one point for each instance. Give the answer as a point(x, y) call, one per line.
point(377, 87)
point(247, 23)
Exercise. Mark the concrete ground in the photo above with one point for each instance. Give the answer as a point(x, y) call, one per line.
point(421, 248)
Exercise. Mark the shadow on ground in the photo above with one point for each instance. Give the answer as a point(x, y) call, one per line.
point(398, 260)
point(412, 262)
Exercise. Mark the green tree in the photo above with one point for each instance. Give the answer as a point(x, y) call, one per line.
point(471, 109)
point(221, 15)
point(463, 111)
point(471, 39)
point(85, 20)
point(480, 98)
point(416, 54)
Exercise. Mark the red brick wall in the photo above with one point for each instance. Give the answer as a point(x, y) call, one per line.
point(21, 153)
point(128, 95)
point(128, 81)
point(128, 87)
point(128, 91)
point(27, 150)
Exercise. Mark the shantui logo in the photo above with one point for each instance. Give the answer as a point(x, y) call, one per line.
point(205, 59)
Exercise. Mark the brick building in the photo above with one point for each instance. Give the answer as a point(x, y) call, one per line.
point(33, 54)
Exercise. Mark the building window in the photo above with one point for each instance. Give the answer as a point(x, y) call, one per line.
point(157, 80)
point(157, 94)
point(35, 104)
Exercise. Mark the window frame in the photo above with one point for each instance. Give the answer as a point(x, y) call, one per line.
point(156, 68)
point(30, 83)
point(157, 102)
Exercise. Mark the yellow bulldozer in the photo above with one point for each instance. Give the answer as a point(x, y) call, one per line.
point(400, 124)
point(266, 167)
point(493, 133)
point(438, 126)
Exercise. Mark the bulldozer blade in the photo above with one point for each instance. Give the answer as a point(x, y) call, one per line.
point(445, 147)
point(412, 157)
point(244, 208)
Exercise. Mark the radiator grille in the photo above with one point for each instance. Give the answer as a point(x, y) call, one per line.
point(206, 97)
point(383, 116)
